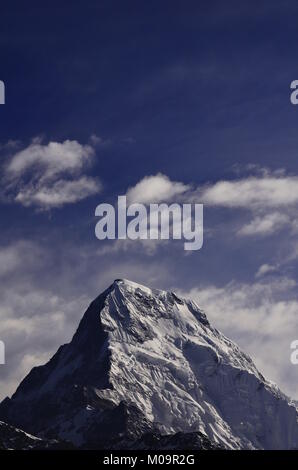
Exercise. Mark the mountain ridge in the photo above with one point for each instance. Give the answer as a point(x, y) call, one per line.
point(147, 362)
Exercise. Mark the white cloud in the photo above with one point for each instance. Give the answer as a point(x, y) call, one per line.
point(262, 192)
point(266, 224)
point(50, 175)
point(9, 260)
point(34, 318)
point(59, 193)
point(261, 318)
point(12, 256)
point(271, 198)
point(51, 159)
point(265, 269)
point(32, 326)
point(156, 188)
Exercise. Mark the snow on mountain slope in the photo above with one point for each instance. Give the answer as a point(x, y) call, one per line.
point(11, 437)
point(142, 361)
point(16, 439)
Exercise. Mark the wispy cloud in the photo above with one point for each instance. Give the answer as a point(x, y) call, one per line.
point(265, 224)
point(270, 197)
point(50, 175)
point(265, 192)
point(265, 269)
point(59, 193)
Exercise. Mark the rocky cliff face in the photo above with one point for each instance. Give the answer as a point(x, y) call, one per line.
point(145, 366)
point(12, 438)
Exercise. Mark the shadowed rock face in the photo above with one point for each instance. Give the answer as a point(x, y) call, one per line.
point(16, 439)
point(13, 438)
point(145, 368)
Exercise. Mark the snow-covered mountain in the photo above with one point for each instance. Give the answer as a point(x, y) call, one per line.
point(146, 366)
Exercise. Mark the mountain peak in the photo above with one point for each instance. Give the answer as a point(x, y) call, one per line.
point(144, 360)
point(133, 286)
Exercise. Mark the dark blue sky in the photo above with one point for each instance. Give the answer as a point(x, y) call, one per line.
point(186, 90)
point(198, 86)
point(198, 91)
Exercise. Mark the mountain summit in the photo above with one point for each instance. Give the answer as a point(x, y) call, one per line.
point(146, 369)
